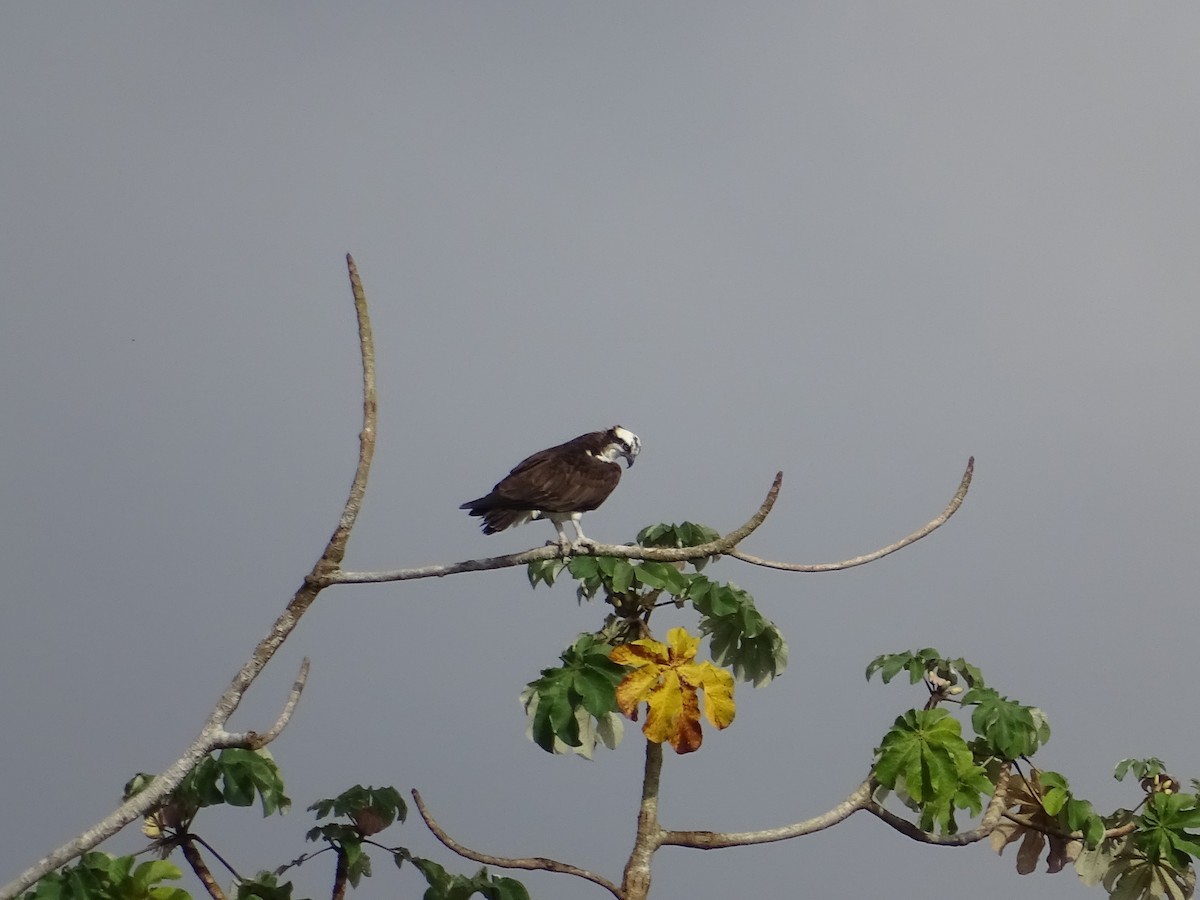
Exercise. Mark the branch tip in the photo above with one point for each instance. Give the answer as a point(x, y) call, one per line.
point(951, 508)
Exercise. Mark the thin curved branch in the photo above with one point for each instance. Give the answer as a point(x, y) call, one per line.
point(991, 818)
point(535, 863)
point(712, 840)
point(721, 546)
point(951, 509)
point(214, 728)
point(252, 740)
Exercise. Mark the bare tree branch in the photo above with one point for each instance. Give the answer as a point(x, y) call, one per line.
point(720, 546)
point(536, 863)
point(951, 509)
point(712, 840)
point(213, 730)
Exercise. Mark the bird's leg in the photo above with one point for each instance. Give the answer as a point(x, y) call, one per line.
point(563, 544)
point(583, 540)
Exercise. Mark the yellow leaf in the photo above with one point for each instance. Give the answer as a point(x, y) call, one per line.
point(687, 736)
point(718, 695)
point(635, 687)
point(683, 645)
point(665, 704)
point(640, 653)
point(667, 680)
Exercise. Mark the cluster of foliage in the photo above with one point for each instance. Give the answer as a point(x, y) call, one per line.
point(573, 706)
point(1140, 854)
point(236, 777)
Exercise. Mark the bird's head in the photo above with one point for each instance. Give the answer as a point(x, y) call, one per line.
point(622, 442)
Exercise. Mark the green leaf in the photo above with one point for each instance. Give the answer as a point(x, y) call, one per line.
point(99, 876)
point(569, 707)
point(1162, 830)
point(622, 576)
point(889, 665)
point(925, 758)
point(264, 886)
point(1010, 729)
point(444, 886)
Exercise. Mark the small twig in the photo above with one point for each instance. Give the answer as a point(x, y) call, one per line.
point(937, 523)
point(252, 740)
point(536, 863)
point(213, 730)
point(712, 840)
point(720, 546)
point(209, 847)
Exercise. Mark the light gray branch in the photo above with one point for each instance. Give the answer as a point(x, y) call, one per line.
point(712, 840)
point(951, 509)
point(213, 734)
point(722, 545)
point(536, 863)
point(252, 739)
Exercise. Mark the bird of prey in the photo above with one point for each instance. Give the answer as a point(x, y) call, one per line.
point(559, 483)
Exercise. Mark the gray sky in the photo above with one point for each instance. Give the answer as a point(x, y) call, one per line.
point(856, 242)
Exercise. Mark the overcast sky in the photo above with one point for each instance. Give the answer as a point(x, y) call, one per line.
point(855, 242)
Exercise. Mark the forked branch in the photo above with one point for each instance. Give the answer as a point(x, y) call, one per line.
point(213, 734)
point(955, 502)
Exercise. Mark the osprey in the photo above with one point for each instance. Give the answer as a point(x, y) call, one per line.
point(560, 483)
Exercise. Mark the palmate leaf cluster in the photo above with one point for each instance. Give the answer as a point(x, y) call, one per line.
point(100, 876)
point(573, 707)
point(237, 777)
point(233, 776)
point(936, 771)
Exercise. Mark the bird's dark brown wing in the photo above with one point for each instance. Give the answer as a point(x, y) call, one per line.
point(556, 482)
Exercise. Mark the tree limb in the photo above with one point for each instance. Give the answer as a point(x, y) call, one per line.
point(951, 509)
point(213, 730)
point(721, 546)
point(535, 863)
point(635, 882)
point(712, 840)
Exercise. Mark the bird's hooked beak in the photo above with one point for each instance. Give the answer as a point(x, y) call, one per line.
point(630, 451)
point(626, 443)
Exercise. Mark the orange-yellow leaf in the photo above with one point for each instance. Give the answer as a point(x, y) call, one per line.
point(636, 687)
point(718, 695)
point(640, 653)
point(665, 704)
point(666, 679)
point(683, 645)
point(687, 736)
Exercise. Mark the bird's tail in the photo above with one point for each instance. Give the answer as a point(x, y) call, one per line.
point(494, 519)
